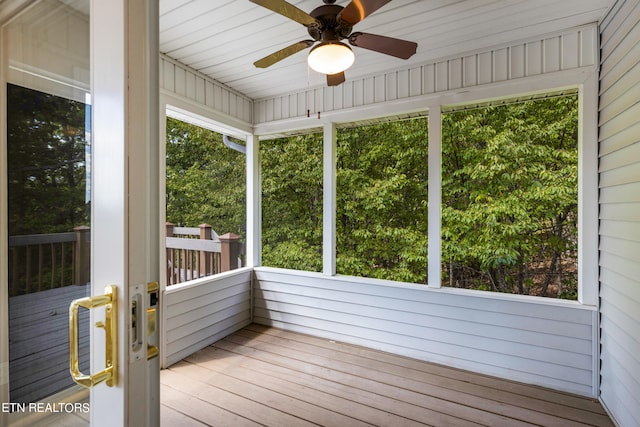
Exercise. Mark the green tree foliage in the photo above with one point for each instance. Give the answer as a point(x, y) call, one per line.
point(47, 184)
point(509, 190)
point(509, 185)
point(46, 162)
point(205, 180)
point(292, 202)
point(382, 201)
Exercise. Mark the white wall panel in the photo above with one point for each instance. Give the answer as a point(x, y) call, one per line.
point(404, 83)
point(618, 140)
point(568, 50)
point(469, 71)
point(621, 175)
point(500, 65)
point(624, 193)
point(518, 61)
point(442, 76)
point(369, 95)
point(534, 58)
point(588, 38)
point(200, 312)
point(485, 68)
point(570, 55)
point(391, 86)
point(180, 81)
point(429, 78)
point(537, 341)
point(456, 73)
point(552, 55)
point(620, 212)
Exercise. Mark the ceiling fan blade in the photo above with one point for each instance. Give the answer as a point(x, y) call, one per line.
point(269, 60)
point(335, 79)
point(357, 10)
point(288, 10)
point(388, 45)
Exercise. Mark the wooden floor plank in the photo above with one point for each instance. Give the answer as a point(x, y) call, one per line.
point(197, 408)
point(260, 413)
point(566, 400)
point(268, 376)
point(169, 417)
point(361, 405)
point(408, 385)
point(39, 342)
point(379, 391)
point(298, 343)
point(292, 402)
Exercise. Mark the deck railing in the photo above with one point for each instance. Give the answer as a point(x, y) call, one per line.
point(39, 262)
point(194, 252)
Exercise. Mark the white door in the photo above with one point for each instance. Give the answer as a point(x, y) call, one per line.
point(125, 204)
point(79, 202)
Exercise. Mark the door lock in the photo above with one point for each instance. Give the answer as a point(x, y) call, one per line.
point(144, 321)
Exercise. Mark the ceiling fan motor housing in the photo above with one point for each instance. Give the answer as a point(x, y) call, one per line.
point(331, 29)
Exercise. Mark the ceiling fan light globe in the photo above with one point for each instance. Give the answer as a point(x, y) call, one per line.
point(331, 57)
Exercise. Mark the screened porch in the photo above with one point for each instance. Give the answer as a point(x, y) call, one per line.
point(261, 342)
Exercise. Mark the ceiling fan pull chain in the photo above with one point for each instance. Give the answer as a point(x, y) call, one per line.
point(306, 95)
point(319, 93)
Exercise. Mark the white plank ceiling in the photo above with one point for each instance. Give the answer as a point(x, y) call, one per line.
point(222, 38)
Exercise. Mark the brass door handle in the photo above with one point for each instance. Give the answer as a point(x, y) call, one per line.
point(110, 325)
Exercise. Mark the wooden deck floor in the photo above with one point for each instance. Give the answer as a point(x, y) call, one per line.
point(39, 342)
point(267, 376)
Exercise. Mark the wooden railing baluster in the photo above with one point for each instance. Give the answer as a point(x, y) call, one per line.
point(194, 252)
point(191, 253)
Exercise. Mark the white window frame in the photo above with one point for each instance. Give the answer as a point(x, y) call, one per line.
point(585, 82)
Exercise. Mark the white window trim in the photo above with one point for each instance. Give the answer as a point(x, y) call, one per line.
point(584, 80)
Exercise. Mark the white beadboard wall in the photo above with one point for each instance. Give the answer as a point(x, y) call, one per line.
point(571, 49)
point(184, 82)
point(619, 174)
point(203, 311)
point(549, 343)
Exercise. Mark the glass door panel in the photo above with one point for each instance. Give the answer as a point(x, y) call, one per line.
point(46, 78)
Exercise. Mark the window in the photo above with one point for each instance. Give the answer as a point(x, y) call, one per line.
point(292, 202)
point(510, 197)
point(49, 223)
point(381, 222)
point(205, 190)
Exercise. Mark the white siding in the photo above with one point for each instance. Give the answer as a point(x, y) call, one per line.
point(203, 311)
point(620, 212)
point(569, 50)
point(180, 81)
point(537, 341)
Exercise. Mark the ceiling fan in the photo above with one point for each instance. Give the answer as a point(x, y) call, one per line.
point(329, 24)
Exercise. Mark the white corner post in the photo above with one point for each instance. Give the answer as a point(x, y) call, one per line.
point(125, 195)
point(435, 197)
point(588, 222)
point(254, 203)
point(329, 160)
point(588, 277)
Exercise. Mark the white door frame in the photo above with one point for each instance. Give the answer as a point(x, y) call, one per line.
point(125, 221)
point(4, 239)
